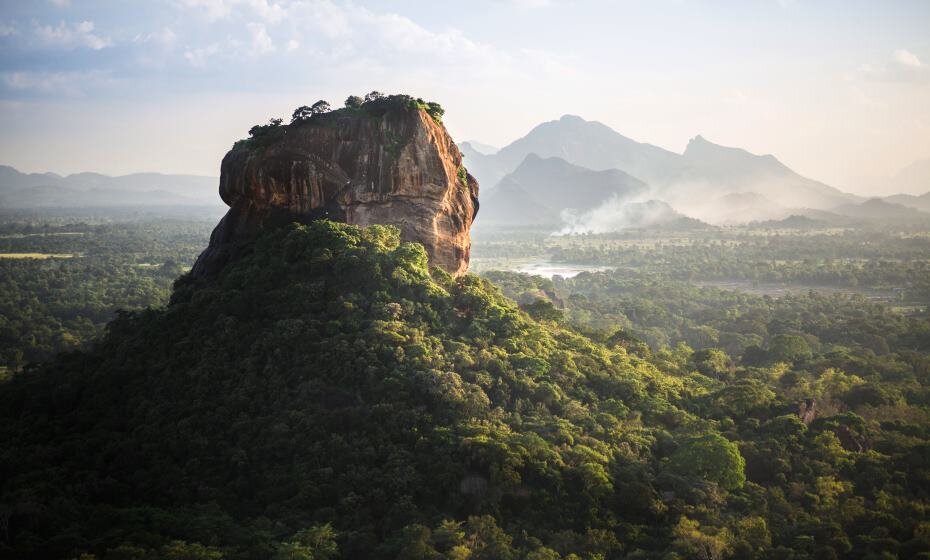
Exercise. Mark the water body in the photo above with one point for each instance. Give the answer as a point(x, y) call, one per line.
point(565, 270)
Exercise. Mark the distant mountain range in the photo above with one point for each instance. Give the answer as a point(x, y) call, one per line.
point(536, 194)
point(480, 147)
point(48, 190)
point(921, 202)
point(561, 168)
point(913, 179)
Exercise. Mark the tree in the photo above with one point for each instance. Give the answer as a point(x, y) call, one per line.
point(745, 395)
point(301, 113)
point(354, 102)
point(713, 458)
point(789, 348)
point(320, 107)
point(435, 110)
point(316, 543)
point(713, 362)
point(695, 543)
point(373, 96)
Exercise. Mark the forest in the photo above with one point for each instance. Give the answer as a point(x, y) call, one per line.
point(332, 396)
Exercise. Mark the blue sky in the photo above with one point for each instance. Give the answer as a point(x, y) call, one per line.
point(839, 90)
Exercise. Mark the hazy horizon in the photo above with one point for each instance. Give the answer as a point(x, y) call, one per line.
point(838, 91)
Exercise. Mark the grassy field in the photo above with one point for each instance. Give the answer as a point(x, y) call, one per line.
point(39, 256)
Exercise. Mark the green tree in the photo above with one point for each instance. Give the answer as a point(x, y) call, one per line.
point(301, 114)
point(713, 362)
point(320, 107)
point(713, 458)
point(789, 348)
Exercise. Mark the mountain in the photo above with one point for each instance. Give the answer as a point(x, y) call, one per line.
point(704, 172)
point(710, 168)
point(388, 161)
point(540, 190)
point(921, 202)
point(479, 147)
point(64, 197)
point(878, 210)
point(913, 179)
point(22, 190)
point(584, 143)
point(330, 390)
point(794, 221)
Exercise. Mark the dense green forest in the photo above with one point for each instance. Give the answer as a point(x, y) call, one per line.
point(895, 263)
point(331, 396)
point(96, 266)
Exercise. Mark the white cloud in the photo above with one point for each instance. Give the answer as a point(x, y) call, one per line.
point(8, 30)
point(261, 41)
point(272, 13)
point(62, 83)
point(198, 57)
point(72, 36)
point(211, 9)
point(347, 34)
point(906, 58)
point(531, 3)
point(323, 16)
point(902, 66)
point(165, 37)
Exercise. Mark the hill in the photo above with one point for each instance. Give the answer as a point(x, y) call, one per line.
point(330, 377)
point(913, 179)
point(81, 190)
point(710, 168)
point(387, 159)
point(541, 189)
point(921, 202)
point(876, 210)
point(688, 181)
point(328, 395)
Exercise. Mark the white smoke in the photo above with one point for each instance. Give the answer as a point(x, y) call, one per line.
point(617, 214)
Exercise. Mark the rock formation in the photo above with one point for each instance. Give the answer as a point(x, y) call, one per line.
point(392, 163)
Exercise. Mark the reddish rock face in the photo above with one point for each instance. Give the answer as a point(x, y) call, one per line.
point(400, 169)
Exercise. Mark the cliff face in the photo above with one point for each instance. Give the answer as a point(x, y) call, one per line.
point(401, 168)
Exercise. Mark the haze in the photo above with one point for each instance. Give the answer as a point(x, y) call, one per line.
point(838, 91)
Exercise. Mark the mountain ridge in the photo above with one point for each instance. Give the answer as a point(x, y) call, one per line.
point(17, 189)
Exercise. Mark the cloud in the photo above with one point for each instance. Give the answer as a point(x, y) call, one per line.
point(165, 37)
point(902, 66)
point(61, 3)
point(906, 58)
point(212, 10)
point(71, 36)
point(198, 57)
point(293, 45)
point(531, 3)
point(261, 41)
point(8, 30)
point(272, 13)
point(58, 83)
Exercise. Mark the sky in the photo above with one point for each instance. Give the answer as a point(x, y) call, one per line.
point(837, 90)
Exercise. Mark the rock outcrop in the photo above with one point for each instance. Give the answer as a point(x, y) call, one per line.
point(396, 166)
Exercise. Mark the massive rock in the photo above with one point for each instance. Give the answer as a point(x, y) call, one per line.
point(397, 167)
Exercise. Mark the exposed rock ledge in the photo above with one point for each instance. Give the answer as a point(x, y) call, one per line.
point(400, 168)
